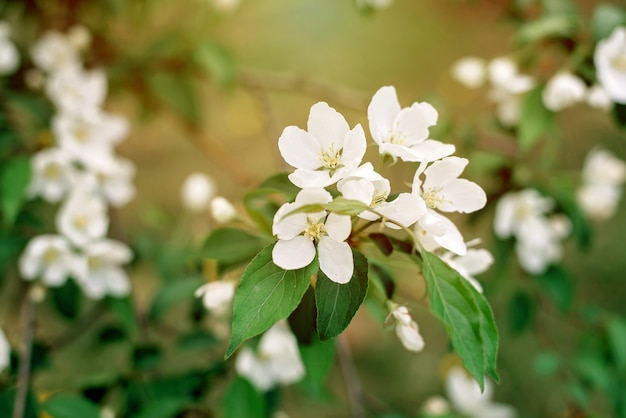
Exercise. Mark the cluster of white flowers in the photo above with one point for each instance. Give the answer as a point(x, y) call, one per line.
point(527, 216)
point(610, 61)
point(603, 177)
point(81, 172)
point(407, 329)
point(9, 57)
point(217, 296)
point(330, 153)
point(198, 194)
point(276, 360)
point(5, 351)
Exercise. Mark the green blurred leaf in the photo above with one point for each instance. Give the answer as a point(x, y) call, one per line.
point(176, 91)
point(616, 333)
point(242, 400)
point(535, 119)
point(11, 245)
point(559, 7)
point(123, 308)
point(339, 206)
point(303, 320)
point(546, 27)
point(382, 242)
point(66, 299)
point(217, 61)
point(70, 406)
point(619, 114)
point(199, 340)
point(172, 293)
point(338, 303)
point(266, 295)
point(14, 178)
point(546, 363)
point(557, 285)
point(164, 408)
point(317, 359)
point(606, 17)
point(146, 356)
point(7, 401)
point(521, 311)
point(231, 247)
point(466, 316)
point(261, 203)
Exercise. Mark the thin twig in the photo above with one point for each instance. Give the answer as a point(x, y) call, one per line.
point(79, 328)
point(350, 377)
point(23, 380)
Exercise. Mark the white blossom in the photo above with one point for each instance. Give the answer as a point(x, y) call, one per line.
point(563, 90)
point(49, 258)
point(403, 132)
point(5, 351)
point(82, 217)
point(324, 154)
point(436, 405)
point(602, 167)
point(53, 52)
point(9, 57)
point(610, 60)
point(470, 71)
point(115, 183)
point(100, 271)
point(222, 210)
point(507, 89)
point(76, 91)
point(434, 231)
point(275, 361)
point(374, 4)
point(79, 37)
point(603, 175)
point(299, 233)
point(197, 191)
point(53, 174)
point(226, 6)
point(515, 208)
point(598, 98)
point(217, 296)
point(474, 262)
point(466, 397)
point(407, 329)
point(599, 201)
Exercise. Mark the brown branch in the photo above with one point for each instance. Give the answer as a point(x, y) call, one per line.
point(24, 372)
point(350, 377)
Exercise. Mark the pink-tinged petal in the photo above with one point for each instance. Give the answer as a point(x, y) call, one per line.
point(412, 123)
point(299, 148)
point(338, 227)
point(335, 260)
point(354, 147)
point(288, 227)
point(293, 254)
point(432, 150)
point(463, 196)
point(354, 188)
point(443, 171)
point(304, 178)
point(382, 112)
point(327, 125)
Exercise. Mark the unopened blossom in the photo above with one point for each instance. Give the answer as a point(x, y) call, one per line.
point(467, 398)
point(74, 90)
point(470, 71)
point(82, 217)
point(101, 270)
point(301, 234)
point(403, 132)
point(5, 351)
point(407, 329)
point(324, 154)
point(563, 90)
point(598, 98)
point(9, 57)
point(276, 360)
point(197, 191)
point(54, 51)
point(53, 174)
point(222, 210)
point(507, 89)
point(48, 258)
point(475, 261)
point(217, 296)
point(610, 60)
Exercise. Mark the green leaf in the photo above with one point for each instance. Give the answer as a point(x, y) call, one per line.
point(176, 91)
point(266, 295)
point(217, 61)
point(546, 363)
point(550, 26)
point(535, 119)
point(164, 408)
point(70, 406)
point(339, 206)
point(557, 285)
point(337, 303)
point(242, 400)
point(521, 311)
point(619, 114)
point(7, 401)
point(124, 310)
point(146, 356)
point(66, 299)
point(317, 359)
point(466, 316)
point(14, 178)
point(262, 203)
point(616, 333)
point(171, 294)
point(199, 340)
point(606, 17)
point(303, 320)
point(382, 242)
point(231, 247)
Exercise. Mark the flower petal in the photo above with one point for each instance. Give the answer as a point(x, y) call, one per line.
point(463, 196)
point(354, 147)
point(299, 148)
point(412, 123)
point(294, 253)
point(335, 260)
point(328, 126)
point(338, 227)
point(382, 112)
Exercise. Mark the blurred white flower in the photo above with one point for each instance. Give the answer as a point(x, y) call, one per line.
point(299, 233)
point(602, 167)
point(76, 91)
point(100, 271)
point(474, 262)
point(275, 361)
point(599, 201)
point(222, 210)
point(603, 175)
point(49, 258)
point(217, 296)
point(374, 4)
point(197, 191)
point(563, 90)
point(54, 51)
point(436, 405)
point(79, 37)
point(226, 6)
point(466, 397)
point(470, 71)
point(82, 217)
point(9, 57)
point(53, 174)
point(598, 98)
point(115, 183)
point(5, 351)
point(610, 60)
point(403, 132)
point(324, 154)
point(507, 89)
point(407, 329)
point(515, 208)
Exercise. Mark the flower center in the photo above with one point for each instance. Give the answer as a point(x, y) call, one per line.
point(81, 221)
point(52, 171)
point(433, 198)
point(379, 199)
point(619, 61)
point(331, 159)
point(397, 139)
point(314, 229)
point(81, 133)
point(51, 255)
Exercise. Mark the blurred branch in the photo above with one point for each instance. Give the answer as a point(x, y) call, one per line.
point(23, 378)
point(291, 82)
point(86, 322)
point(272, 127)
point(350, 376)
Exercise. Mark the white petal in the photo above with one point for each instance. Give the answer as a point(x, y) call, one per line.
point(286, 226)
point(338, 227)
point(304, 178)
point(299, 148)
point(335, 259)
point(327, 125)
point(431, 150)
point(406, 209)
point(313, 195)
point(412, 123)
point(475, 261)
point(409, 336)
point(463, 196)
point(354, 147)
point(354, 188)
point(443, 171)
point(382, 112)
point(293, 254)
